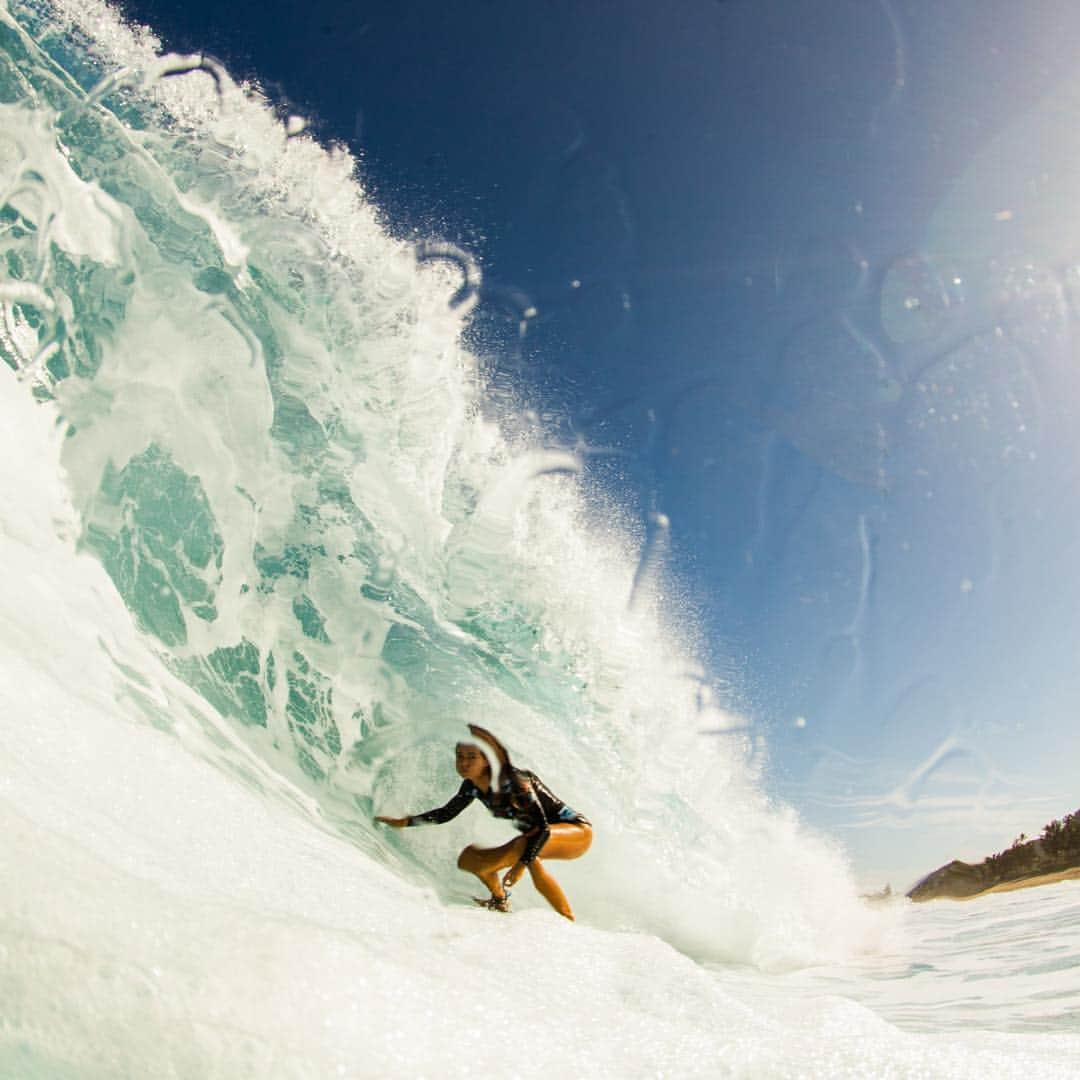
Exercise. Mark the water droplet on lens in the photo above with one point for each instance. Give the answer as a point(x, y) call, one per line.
point(832, 394)
point(914, 300)
point(1035, 307)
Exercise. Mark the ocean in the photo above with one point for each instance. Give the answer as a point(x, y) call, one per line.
point(270, 545)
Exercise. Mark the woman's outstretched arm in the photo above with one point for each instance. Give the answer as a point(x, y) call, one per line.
point(465, 795)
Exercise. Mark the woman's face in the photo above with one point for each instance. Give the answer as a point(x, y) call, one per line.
point(471, 763)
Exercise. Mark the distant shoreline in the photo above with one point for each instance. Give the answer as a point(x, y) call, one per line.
point(1022, 883)
point(1052, 857)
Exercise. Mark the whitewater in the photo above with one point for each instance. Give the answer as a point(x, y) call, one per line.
point(268, 546)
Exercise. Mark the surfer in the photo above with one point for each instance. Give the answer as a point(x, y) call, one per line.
point(546, 823)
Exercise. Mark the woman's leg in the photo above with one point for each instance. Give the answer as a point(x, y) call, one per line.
point(486, 863)
point(567, 841)
point(550, 889)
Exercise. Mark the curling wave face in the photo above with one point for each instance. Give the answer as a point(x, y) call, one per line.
point(280, 452)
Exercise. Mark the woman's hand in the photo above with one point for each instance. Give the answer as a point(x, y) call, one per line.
point(393, 822)
point(513, 875)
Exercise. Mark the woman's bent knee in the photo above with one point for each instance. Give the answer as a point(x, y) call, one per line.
point(568, 841)
point(467, 859)
point(586, 839)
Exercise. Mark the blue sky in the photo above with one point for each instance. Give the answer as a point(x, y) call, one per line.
point(804, 265)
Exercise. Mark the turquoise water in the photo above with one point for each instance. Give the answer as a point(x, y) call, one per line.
point(269, 548)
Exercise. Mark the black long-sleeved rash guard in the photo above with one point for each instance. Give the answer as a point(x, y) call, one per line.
point(522, 797)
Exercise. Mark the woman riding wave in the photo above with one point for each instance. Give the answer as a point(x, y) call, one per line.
point(548, 826)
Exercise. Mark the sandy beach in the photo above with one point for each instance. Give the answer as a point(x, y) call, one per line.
point(1025, 883)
